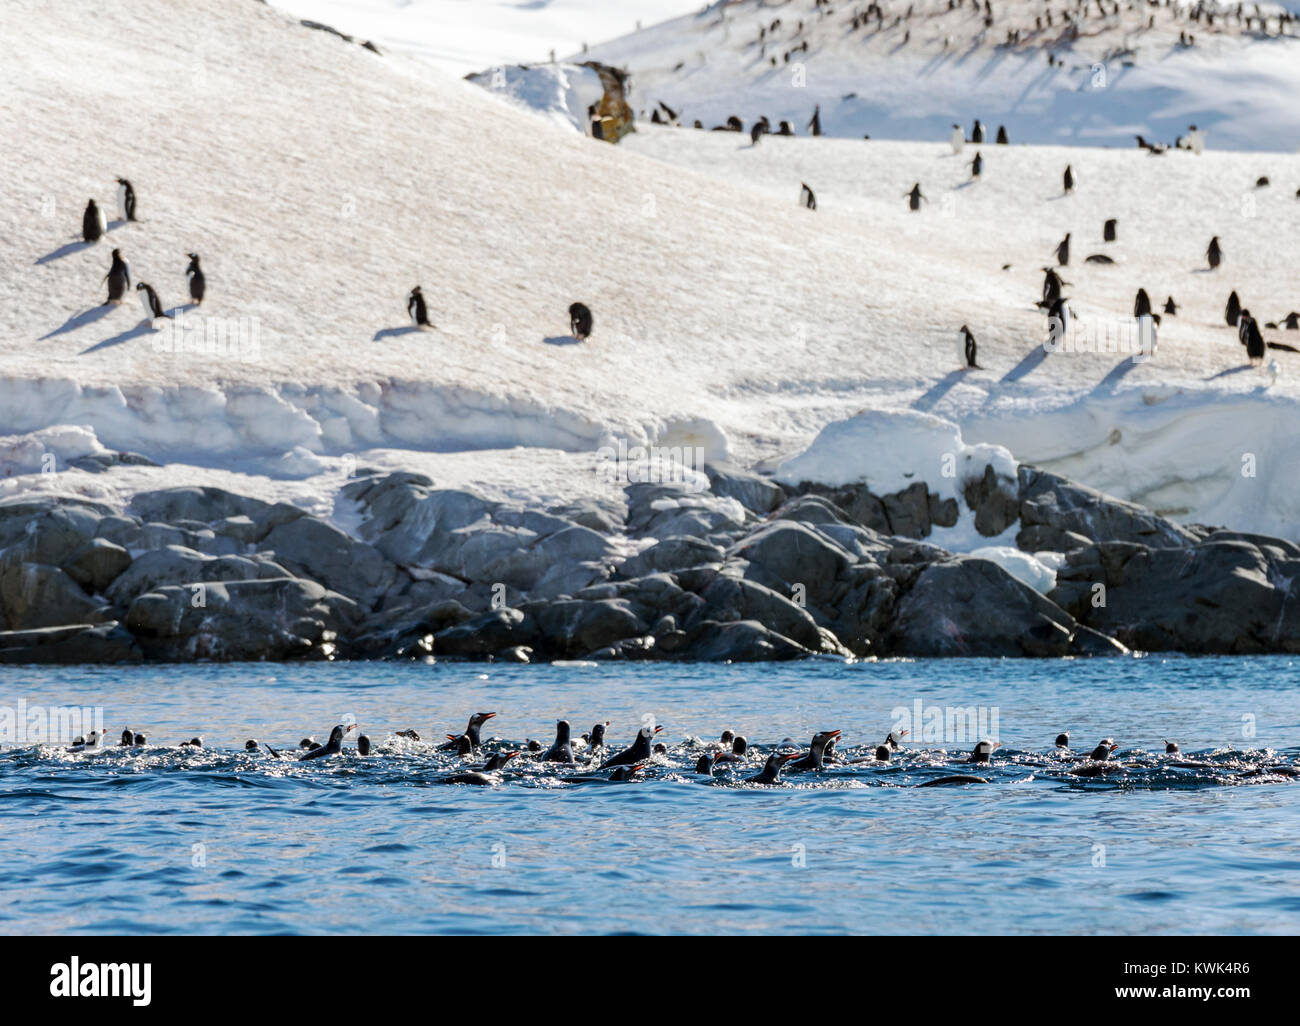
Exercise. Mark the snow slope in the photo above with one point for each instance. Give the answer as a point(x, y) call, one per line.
point(320, 181)
point(910, 78)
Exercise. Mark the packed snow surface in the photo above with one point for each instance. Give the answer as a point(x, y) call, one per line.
point(320, 181)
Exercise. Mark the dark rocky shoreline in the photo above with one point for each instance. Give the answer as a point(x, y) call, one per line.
point(744, 571)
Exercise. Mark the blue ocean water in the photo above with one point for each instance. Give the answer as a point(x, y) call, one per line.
point(162, 840)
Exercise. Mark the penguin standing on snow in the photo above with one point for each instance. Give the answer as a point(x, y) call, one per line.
point(1058, 318)
point(1002, 135)
point(756, 133)
point(125, 200)
point(93, 226)
point(153, 309)
point(197, 283)
point(416, 308)
point(1214, 253)
point(806, 197)
point(1254, 340)
point(957, 139)
point(1108, 230)
point(1142, 305)
point(118, 278)
point(580, 321)
point(1171, 308)
point(977, 131)
point(914, 197)
point(1068, 179)
point(1063, 251)
point(815, 125)
point(1052, 283)
point(977, 165)
point(1233, 311)
point(968, 348)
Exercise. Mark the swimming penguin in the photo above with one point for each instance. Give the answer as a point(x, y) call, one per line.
point(1002, 135)
point(983, 751)
point(815, 759)
point(460, 744)
point(1171, 748)
point(140, 740)
point(1067, 179)
point(958, 138)
point(960, 778)
point(739, 747)
point(968, 348)
point(249, 746)
point(914, 197)
point(806, 197)
point(416, 307)
point(118, 278)
point(1214, 253)
point(726, 738)
point(977, 165)
point(1103, 750)
point(705, 764)
point(412, 735)
point(125, 200)
point(1063, 251)
point(771, 772)
point(1108, 230)
point(363, 744)
point(153, 308)
point(1233, 311)
point(562, 750)
point(93, 225)
point(128, 739)
point(194, 742)
point(1171, 308)
point(331, 747)
point(485, 777)
point(471, 732)
point(638, 751)
point(1142, 304)
point(596, 739)
point(1063, 740)
point(579, 321)
point(308, 743)
point(92, 742)
point(197, 283)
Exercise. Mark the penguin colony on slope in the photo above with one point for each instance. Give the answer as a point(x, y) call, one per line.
point(582, 759)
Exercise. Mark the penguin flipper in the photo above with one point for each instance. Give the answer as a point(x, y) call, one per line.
point(1283, 346)
point(273, 752)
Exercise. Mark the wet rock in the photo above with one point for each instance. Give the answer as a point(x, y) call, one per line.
point(574, 627)
point(38, 595)
point(744, 641)
point(99, 643)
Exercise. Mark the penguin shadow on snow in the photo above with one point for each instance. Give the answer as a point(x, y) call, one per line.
point(75, 246)
point(1228, 372)
point(1107, 385)
point(1031, 360)
point(562, 340)
point(404, 329)
point(940, 388)
point(79, 320)
point(141, 329)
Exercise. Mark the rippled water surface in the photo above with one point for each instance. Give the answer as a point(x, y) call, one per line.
point(219, 841)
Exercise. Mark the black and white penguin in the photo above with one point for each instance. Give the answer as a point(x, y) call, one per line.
point(363, 744)
point(1142, 304)
point(472, 732)
point(562, 750)
point(977, 165)
point(250, 745)
point(756, 132)
point(416, 307)
point(1171, 308)
point(1233, 311)
point(771, 772)
point(118, 278)
point(140, 739)
point(1103, 750)
point(1108, 230)
point(580, 321)
point(197, 283)
point(1067, 179)
point(128, 738)
point(740, 746)
point(1063, 740)
point(1052, 283)
point(785, 128)
point(806, 197)
point(1292, 321)
point(815, 125)
point(1214, 253)
point(1063, 251)
point(977, 131)
point(968, 349)
point(125, 200)
point(1254, 340)
point(914, 197)
point(153, 308)
point(815, 760)
point(1002, 135)
point(638, 751)
point(1171, 748)
point(331, 747)
point(93, 225)
point(983, 751)
point(1058, 317)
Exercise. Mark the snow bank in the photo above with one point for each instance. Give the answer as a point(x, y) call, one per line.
point(1029, 570)
point(559, 92)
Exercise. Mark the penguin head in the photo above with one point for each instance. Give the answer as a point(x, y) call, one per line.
point(363, 745)
point(1063, 740)
point(705, 764)
point(739, 746)
point(127, 737)
point(140, 286)
point(1171, 748)
point(499, 760)
point(1104, 748)
point(727, 737)
point(140, 740)
point(882, 753)
point(894, 738)
point(478, 719)
point(250, 745)
point(562, 729)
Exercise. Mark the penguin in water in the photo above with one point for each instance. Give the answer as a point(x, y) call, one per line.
point(806, 197)
point(1103, 750)
point(197, 283)
point(118, 278)
point(562, 750)
point(1063, 251)
point(153, 308)
point(983, 751)
point(1108, 230)
point(1233, 311)
point(1067, 179)
point(968, 349)
point(914, 197)
point(1171, 308)
point(1171, 748)
point(1214, 253)
point(331, 747)
point(485, 777)
point(125, 200)
point(771, 772)
point(638, 751)
point(471, 732)
point(816, 757)
point(363, 744)
point(580, 321)
point(977, 165)
point(128, 738)
point(415, 306)
point(92, 742)
point(93, 226)
point(1063, 739)
point(1142, 304)
point(958, 138)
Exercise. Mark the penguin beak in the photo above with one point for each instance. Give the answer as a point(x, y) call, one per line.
point(452, 737)
point(658, 729)
point(507, 756)
point(1114, 748)
point(790, 755)
point(488, 716)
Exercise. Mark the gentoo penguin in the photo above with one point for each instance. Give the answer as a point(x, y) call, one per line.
point(1002, 135)
point(1063, 251)
point(739, 747)
point(815, 759)
point(484, 777)
point(308, 743)
point(977, 165)
point(1108, 230)
point(771, 772)
point(914, 197)
point(704, 765)
point(411, 735)
point(626, 773)
point(1052, 283)
point(471, 732)
point(416, 308)
point(1214, 253)
point(194, 742)
point(363, 744)
point(1058, 317)
point(596, 739)
point(250, 745)
point(815, 125)
point(958, 139)
point(785, 128)
point(1254, 340)
point(756, 132)
point(968, 349)
point(93, 225)
point(118, 278)
point(1233, 310)
point(1142, 304)
point(331, 747)
point(983, 751)
point(460, 743)
point(1067, 179)
point(562, 750)
point(977, 131)
point(1063, 740)
point(638, 751)
point(1102, 752)
point(140, 739)
point(1171, 748)
point(1097, 258)
point(806, 197)
point(1261, 182)
point(92, 742)
point(580, 321)
point(125, 200)
point(153, 308)
point(1292, 321)
point(1171, 308)
point(195, 275)
point(726, 738)
point(128, 738)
